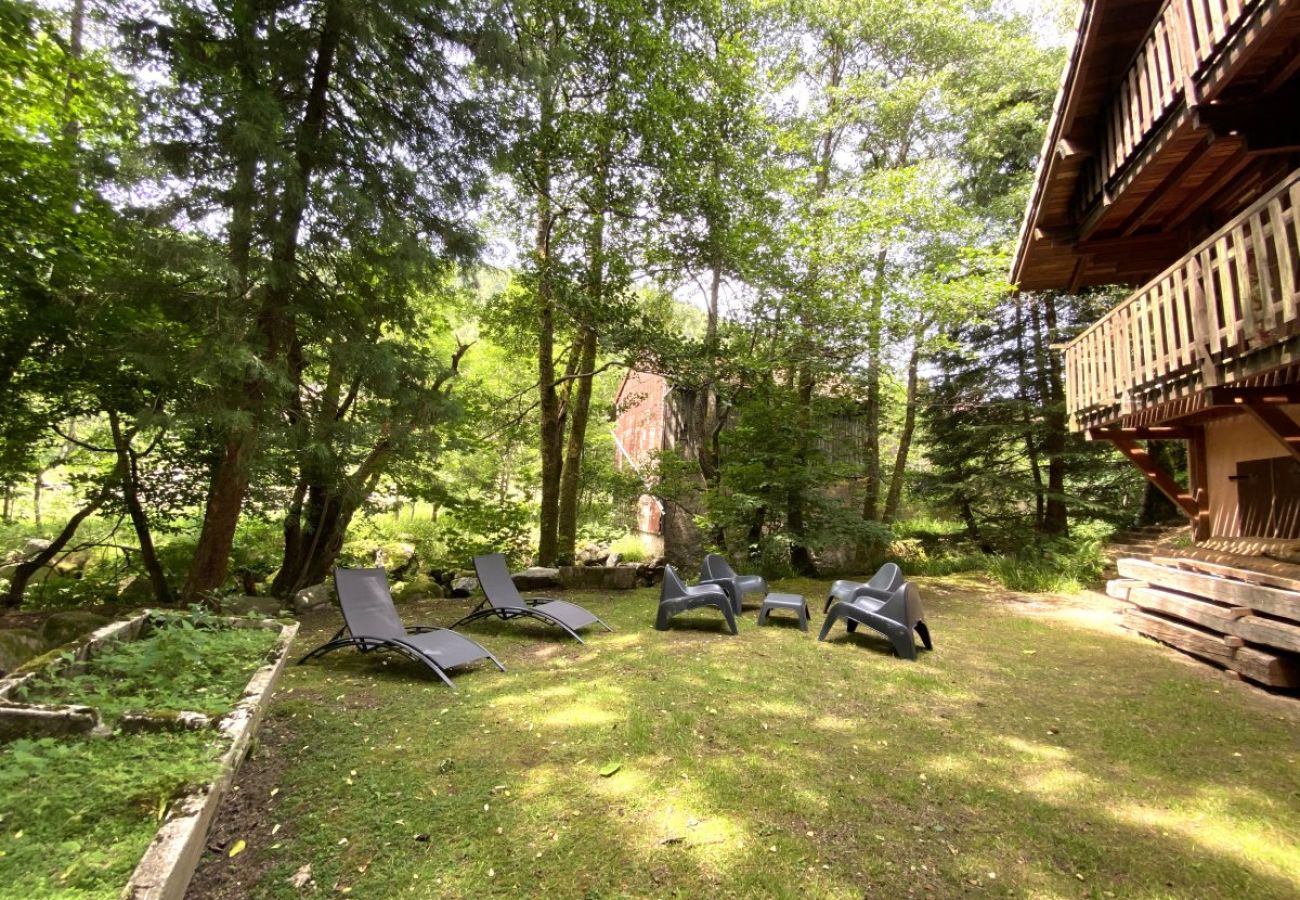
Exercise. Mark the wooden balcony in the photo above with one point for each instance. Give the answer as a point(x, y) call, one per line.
point(1160, 136)
point(1173, 72)
point(1225, 313)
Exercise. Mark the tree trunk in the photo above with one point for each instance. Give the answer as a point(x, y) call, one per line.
point(801, 559)
point(552, 431)
point(275, 324)
point(1030, 399)
point(895, 497)
point(571, 473)
point(128, 462)
point(26, 570)
point(1056, 514)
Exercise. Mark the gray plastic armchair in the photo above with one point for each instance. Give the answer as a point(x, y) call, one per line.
point(895, 617)
point(886, 580)
point(676, 598)
point(717, 570)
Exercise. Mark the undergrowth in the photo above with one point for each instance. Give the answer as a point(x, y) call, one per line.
point(177, 666)
point(76, 815)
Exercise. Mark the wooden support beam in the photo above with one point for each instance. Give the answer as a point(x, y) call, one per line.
point(1156, 474)
point(1149, 433)
point(1227, 395)
point(1277, 423)
point(1198, 478)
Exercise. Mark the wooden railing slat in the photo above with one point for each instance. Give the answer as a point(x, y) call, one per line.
point(1286, 261)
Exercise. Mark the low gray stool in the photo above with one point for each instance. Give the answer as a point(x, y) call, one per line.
point(789, 602)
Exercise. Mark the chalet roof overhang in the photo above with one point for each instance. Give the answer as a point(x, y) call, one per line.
point(1108, 34)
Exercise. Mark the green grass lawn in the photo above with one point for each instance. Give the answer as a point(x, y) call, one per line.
point(1038, 752)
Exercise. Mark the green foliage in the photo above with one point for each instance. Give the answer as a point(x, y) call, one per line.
point(182, 664)
point(1060, 566)
point(629, 548)
point(76, 815)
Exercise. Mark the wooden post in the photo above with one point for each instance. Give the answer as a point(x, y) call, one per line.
point(1198, 478)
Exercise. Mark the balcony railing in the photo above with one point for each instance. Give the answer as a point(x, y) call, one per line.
point(1183, 39)
point(1200, 322)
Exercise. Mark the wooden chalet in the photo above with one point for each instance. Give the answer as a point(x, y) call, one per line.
point(1172, 164)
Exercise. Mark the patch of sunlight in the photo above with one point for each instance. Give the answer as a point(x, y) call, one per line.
point(539, 781)
point(950, 764)
point(834, 723)
point(1204, 820)
point(534, 696)
point(716, 842)
point(780, 708)
point(1036, 750)
point(1050, 784)
point(580, 715)
point(626, 782)
point(622, 640)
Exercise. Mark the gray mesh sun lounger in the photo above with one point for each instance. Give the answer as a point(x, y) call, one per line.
point(896, 618)
point(371, 623)
point(501, 599)
point(886, 580)
point(717, 570)
point(675, 597)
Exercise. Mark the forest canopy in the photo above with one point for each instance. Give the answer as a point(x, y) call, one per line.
point(284, 284)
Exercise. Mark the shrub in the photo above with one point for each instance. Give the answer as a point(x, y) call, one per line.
point(629, 548)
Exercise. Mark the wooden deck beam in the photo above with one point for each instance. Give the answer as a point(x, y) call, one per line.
point(1277, 423)
point(1227, 395)
point(1148, 433)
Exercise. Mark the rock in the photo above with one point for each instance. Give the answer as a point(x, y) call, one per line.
point(242, 606)
point(419, 586)
point(64, 627)
point(599, 578)
point(71, 565)
point(17, 645)
point(613, 559)
point(537, 578)
point(591, 555)
point(310, 598)
point(399, 558)
point(465, 586)
point(135, 589)
point(34, 546)
point(37, 577)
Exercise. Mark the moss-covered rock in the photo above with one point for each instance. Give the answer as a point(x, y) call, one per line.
point(417, 587)
point(69, 625)
point(17, 645)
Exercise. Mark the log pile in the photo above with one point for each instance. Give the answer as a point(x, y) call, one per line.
point(1238, 612)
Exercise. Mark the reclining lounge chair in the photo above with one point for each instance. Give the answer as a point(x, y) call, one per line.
point(717, 570)
point(886, 580)
point(501, 599)
point(896, 618)
point(675, 597)
point(371, 623)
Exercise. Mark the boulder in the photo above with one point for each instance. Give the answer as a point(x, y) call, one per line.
point(37, 577)
point(135, 589)
point(465, 586)
point(34, 546)
point(537, 578)
point(17, 645)
point(65, 627)
point(310, 598)
point(398, 558)
point(613, 560)
point(243, 606)
point(419, 586)
point(72, 565)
